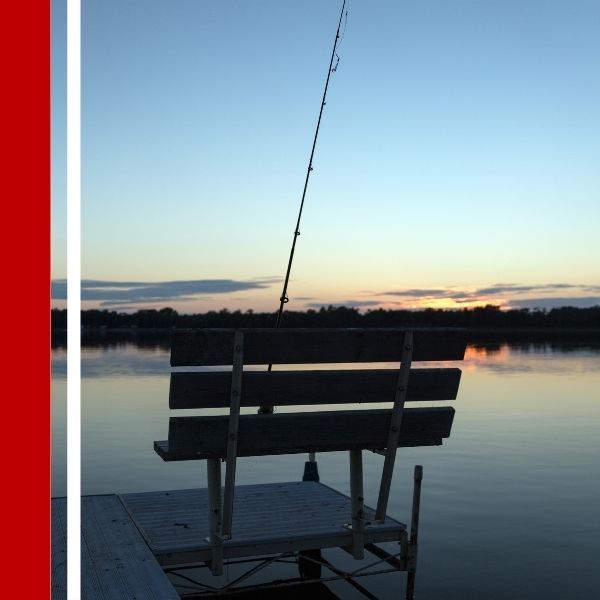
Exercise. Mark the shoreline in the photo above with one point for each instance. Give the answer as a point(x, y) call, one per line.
point(468, 330)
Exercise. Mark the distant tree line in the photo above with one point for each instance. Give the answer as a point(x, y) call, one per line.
point(480, 317)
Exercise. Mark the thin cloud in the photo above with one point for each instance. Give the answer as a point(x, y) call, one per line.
point(503, 291)
point(458, 296)
point(127, 304)
point(346, 304)
point(424, 293)
point(267, 280)
point(132, 292)
point(511, 288)
point(549, 303)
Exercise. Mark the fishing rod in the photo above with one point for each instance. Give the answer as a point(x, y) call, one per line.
point(310, 470)
point(283, 300)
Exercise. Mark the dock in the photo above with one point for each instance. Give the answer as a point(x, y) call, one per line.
point(128, 539)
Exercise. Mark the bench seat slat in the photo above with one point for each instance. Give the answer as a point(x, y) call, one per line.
point(289, 433)
point(211, 389)
point(198, 347)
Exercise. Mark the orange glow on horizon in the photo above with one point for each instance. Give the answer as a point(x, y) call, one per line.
point(444, 304)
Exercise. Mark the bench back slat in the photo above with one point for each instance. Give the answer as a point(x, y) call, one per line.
point(212, 389)
point(205, 347)
point(289, 433)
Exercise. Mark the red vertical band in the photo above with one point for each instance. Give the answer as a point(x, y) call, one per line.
point(25, 100)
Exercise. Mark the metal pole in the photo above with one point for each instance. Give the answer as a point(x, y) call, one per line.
point(213, 466)
point(414, 533)
point(414, 523)
point(357, 503)
point(232, 435)
point(395, 425)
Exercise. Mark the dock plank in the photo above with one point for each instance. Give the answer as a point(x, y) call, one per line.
point(116, 563)
point(268, 518)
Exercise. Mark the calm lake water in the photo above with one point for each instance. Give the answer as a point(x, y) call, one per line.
point(510, 503)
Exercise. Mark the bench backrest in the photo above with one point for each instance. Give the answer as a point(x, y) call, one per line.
point(205, 347)
point(211, 389)
point(194, 438)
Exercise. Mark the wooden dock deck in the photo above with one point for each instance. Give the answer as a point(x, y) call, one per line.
point(116, 562)
point(126, 540)
point(268, 519)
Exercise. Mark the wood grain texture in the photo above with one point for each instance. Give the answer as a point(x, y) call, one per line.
point(116, 563)
point(197, 347)
point(289, 433)
point(211, 389)
point(267, 518)
point(58, 576)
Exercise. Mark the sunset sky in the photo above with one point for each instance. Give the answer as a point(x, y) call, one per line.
point(458, 161)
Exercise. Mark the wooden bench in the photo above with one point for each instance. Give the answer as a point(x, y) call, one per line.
point(383, 430)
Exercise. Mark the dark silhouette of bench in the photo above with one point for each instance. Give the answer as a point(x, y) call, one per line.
point(305, 516)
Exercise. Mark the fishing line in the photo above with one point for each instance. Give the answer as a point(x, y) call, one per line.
point(339, 43)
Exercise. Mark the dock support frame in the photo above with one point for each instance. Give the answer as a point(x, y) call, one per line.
point(414, 533)
point(232, 434)
point(371, 569)
point(213, 477)
point(357, 504)
point(395, 425)
point(220, 512)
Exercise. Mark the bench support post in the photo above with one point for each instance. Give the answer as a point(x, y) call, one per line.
point(232, 435)
point(395, 425)
point(213, 472)
point(357, 504)
point(414, 534)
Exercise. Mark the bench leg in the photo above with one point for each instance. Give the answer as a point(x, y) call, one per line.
point(414, 533)
point(213, 468)
point(357, 503)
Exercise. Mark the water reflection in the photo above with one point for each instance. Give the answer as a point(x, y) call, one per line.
point(522, 459)
point(108, 354)
point(532, 357)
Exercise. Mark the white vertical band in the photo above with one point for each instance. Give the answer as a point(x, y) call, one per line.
point(73, 299)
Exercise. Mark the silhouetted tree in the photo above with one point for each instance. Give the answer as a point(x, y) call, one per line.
point(486, 317)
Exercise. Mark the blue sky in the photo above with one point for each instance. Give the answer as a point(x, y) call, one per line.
point(457, 161)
